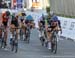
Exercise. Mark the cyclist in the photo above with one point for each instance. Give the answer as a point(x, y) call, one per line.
point(14, 33)
point(22, 30)
point(41, 24)
point(55, 22)
point(29, 26)
point(41, 21)
point(14, 25)
point(29, 22)
point(5, 20)
point(22, 25)
point(54, 25)
point(42, 33)
point(22, 19)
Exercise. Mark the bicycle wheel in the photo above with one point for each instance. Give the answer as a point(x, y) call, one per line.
point(4, 44)
point(42, 40)
point(16, 46)
point(21, 35)
point(28, 38)
point(12, 46)
point(54, 44)
point(16, 49)
point(1, 42)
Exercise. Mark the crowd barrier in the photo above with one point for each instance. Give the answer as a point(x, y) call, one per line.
point(68, 27)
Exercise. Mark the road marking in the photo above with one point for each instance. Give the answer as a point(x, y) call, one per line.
point(67, 56)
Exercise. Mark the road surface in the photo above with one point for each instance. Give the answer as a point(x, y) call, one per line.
point(66, 49)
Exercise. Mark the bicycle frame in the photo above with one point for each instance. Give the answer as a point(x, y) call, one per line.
point(54, 41)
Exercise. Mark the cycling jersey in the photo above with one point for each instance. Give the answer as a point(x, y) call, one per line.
point(15, 22)
point(22, 25)
point(43, 22)
point(5, 19)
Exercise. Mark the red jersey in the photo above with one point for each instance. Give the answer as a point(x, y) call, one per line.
point(4, 17)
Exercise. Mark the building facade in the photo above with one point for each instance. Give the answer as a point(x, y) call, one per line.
point(65, 7)
point(38, 4)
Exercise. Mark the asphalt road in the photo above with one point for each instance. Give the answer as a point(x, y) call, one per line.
point(66, 49)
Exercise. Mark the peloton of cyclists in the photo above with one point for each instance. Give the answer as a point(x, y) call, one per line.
point(50, 24)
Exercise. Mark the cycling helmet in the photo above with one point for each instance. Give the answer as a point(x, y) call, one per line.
point(52, 13)
point(7, 13)
point(23, 14)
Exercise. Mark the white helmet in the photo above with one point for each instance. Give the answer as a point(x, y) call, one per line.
point(51, 13)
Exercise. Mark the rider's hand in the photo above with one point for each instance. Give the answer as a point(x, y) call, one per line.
point(61, 32)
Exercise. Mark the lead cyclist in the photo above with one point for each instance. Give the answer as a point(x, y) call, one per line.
point(55, 24)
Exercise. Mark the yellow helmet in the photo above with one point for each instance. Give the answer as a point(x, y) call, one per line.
point(20, 14)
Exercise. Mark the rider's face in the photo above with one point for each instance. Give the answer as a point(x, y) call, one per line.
point(7, 16)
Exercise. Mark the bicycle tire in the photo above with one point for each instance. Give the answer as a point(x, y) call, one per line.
point(42, 40)
point(1, 44)
point(16, 49)
point(21, 35)
point(28, 39)
point(54, 45)
point(28, 36)
point(12, 47)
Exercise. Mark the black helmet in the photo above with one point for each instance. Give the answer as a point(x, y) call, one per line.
point(23, 14)
point(7, 13)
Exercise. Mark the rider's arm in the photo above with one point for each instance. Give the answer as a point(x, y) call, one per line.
point(60, 26)
point(9, 21)
point(38, 25)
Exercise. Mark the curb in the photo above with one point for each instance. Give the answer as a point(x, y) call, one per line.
point(67, 38)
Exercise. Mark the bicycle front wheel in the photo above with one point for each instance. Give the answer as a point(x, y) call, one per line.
point(54, 45)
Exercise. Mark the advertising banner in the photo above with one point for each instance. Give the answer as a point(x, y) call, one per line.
point(19, 3)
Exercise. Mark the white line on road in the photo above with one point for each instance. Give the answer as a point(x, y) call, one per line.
point(66, 56)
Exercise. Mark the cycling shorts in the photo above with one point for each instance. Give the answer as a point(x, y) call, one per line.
point(5, 23)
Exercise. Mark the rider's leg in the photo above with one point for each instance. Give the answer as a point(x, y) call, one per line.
point(58, 29)
point(39, 33)
point(23, 35)
point(5, 36)
point(49, 38)
point(17, 34)
point(49, 34)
